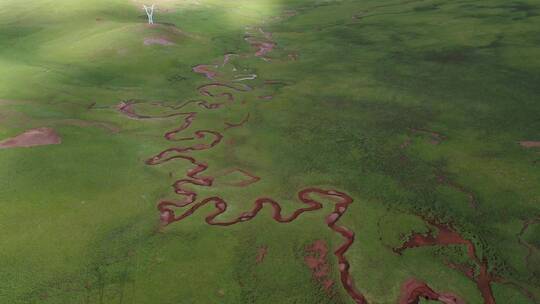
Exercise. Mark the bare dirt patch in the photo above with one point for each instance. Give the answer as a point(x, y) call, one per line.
point(316, 260)
point(157, 40)
point(261, 254)
point(32, 138)
point(530, 144)
point(206, 69)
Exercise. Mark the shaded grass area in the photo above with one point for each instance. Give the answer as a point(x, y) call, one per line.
point(79, 219)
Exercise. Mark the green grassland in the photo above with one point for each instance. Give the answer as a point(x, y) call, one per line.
point(78, 220)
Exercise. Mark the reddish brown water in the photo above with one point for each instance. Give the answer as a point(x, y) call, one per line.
point(473, 201)
point(210, 70)
point(235, 125)
point(413, 290)
point(448, 236)
point(264, 44)
point(206, 70)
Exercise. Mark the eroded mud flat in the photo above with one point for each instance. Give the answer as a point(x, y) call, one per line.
point(32, 138)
